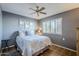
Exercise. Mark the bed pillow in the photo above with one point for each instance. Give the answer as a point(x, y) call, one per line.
point(26, 33)
point(22, 33)
point(29, 33)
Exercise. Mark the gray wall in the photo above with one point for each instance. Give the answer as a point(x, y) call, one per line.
point(0, 27)
point(69, 24)
point(11, 23)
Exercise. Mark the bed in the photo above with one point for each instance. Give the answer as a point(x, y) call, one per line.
point(32, 44)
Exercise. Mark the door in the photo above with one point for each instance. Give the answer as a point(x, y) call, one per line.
point(77, 41)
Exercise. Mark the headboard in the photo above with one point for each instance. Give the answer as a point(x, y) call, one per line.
point(12, 40)
point(14, 35)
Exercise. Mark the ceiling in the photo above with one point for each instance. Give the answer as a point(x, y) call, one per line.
point(51, 8)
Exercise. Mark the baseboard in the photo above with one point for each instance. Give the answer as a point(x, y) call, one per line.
point(63, 47)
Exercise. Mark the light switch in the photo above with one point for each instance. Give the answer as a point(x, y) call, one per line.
point(63, 39)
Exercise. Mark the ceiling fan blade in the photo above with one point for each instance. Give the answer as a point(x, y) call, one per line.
point(32, 13)
point(37, 14)
point(43, 12)
point(41, 9)
point(32, 9)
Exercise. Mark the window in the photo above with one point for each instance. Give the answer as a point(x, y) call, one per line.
point(52, 26)
point(27, 25)
point(21, 23)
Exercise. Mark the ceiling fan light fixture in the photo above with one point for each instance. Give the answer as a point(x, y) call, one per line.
point(38, 10)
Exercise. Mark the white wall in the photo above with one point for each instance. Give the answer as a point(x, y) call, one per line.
point(0, 27)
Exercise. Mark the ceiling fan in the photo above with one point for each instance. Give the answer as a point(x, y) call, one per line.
point(38, 10)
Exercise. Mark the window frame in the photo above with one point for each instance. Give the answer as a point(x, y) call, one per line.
point(55, 25)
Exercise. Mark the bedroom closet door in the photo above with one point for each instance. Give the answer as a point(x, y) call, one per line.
point(77, 41)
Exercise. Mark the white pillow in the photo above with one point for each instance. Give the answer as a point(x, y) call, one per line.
point(22, 33)
point(30, 33)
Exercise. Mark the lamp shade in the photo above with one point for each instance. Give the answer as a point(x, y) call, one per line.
point(38, 31)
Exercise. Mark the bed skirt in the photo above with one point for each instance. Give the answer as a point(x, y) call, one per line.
point(40, 51)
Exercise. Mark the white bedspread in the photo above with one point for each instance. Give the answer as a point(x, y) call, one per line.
point(31, 44)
